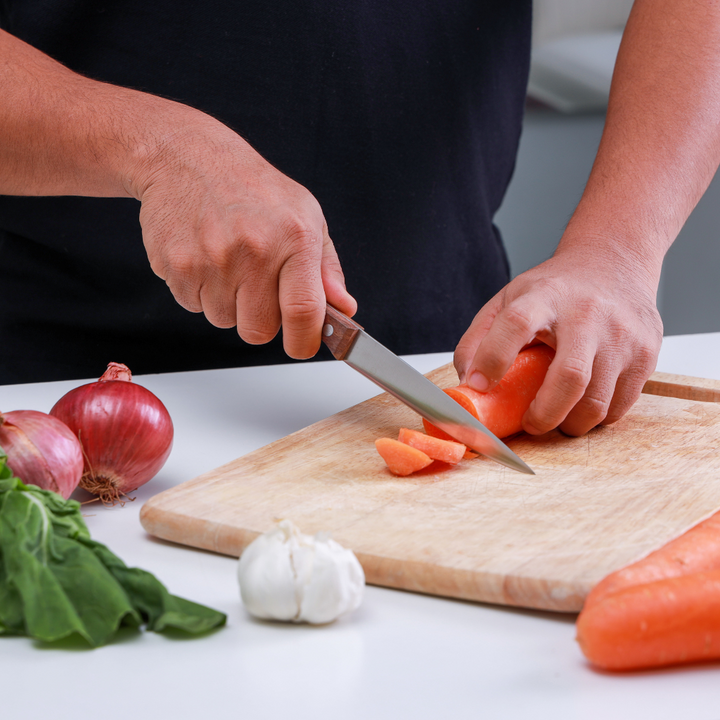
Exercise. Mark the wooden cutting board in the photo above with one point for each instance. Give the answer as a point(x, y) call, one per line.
point(478, 531)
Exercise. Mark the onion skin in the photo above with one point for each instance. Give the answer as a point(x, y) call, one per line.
point(126, 433)
point(42, 450)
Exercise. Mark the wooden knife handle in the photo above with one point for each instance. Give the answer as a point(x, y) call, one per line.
point(338, 332)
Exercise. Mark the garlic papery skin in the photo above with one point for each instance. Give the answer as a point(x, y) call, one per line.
point(286, 575)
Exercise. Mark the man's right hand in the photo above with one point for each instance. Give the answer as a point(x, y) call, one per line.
point(232, 236)
point(236, 239)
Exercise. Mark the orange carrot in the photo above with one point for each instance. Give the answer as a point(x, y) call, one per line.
point(501, 410)
point(446, 451)
point(401, 459)
point(662, 610)
point(698, 550)
point(666, 622)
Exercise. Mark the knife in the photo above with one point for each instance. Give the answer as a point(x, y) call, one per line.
point(348, 341)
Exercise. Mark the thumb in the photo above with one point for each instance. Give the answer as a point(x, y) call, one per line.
point(470, 342)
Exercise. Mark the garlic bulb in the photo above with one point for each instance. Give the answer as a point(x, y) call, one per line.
point(286, 575)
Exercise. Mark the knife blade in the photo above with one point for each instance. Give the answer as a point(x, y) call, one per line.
point(348, 341)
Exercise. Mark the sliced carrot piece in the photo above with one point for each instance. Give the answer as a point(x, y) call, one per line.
point(502, 409)
point(447, 451)
point(401, 459)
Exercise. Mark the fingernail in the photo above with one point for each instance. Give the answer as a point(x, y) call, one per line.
point(477, 381)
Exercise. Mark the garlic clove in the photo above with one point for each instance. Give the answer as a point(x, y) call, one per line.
point(335, 586)
point(267, 579)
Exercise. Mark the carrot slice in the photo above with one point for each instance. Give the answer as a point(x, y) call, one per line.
point(502, 409)
point(666, 622)
point(447, 451)
point(401, 459)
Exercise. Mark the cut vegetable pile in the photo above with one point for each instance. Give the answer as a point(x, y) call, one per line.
point(414, 451)
point(501, 411)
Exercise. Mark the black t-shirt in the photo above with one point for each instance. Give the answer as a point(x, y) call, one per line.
point(401, 118)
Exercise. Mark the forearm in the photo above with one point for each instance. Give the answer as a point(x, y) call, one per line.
point(64, 134)
point(661, 143)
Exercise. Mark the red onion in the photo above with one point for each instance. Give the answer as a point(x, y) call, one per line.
point(41, 450)
point(125, 431)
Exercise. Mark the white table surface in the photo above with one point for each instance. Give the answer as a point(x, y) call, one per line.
point(401, 655)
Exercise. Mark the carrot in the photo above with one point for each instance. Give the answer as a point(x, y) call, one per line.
point(661, 610)
point(698, 550)
point(502, 409)
point(446, 451)
point(401, 459)
point(666, 622)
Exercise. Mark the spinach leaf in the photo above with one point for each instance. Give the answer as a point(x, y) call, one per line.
point(56, 581)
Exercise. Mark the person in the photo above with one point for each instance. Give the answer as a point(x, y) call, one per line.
point(249, 136)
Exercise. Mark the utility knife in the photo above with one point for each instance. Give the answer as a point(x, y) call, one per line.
point(348, 341)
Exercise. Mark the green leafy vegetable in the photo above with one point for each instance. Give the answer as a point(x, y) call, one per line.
point(56, 582)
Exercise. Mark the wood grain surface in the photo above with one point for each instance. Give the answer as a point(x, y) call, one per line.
point(478, 531)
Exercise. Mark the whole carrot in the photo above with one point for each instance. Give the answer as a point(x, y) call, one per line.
point(697, 550)
point(666, 622)
point(501, 410)
point(662, 610)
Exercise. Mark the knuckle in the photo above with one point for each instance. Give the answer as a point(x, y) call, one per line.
point(545, 285)
point(593, 409)
point(185, 292)
point(645, 359)
point(542, 422)
point(303, 240)
point(621, 405)
point(651, 342)
point(182, 270)
point(251, 249)
point(656, 329)
point(575, 374)
point(592, 306)
point(519, 318)
point(159, 266)
point(218, 308)
point(301, 311)
point(623, 336)
point(300, 234)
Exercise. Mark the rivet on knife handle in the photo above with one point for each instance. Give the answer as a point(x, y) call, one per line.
point(339, 332)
